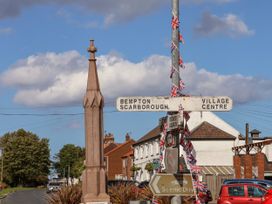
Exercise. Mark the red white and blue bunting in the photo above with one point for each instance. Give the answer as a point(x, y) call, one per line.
point(184, 133)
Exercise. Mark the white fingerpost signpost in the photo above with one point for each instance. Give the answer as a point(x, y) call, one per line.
point(175, 182)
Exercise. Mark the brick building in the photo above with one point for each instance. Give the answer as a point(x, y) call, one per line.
point(252, 159)
point(114, 161)
point(127, 162)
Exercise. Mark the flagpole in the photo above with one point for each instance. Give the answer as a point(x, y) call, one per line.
point(175, 61)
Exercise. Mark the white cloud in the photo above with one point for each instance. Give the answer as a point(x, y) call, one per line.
point(52, 79)
point(113, 11)
point(230, 25)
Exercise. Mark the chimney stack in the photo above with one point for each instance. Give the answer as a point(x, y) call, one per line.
point(127, 137)
point(255, 133)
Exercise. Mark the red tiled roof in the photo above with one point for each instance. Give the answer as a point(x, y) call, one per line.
point(150, 135)
point(208, 131)
point(119, 146)
point(110, 147)
point(128, 154)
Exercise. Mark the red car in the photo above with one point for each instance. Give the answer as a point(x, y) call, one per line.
point(241, 193)
point(267, 198)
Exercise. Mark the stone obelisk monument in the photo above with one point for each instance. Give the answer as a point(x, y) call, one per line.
point(94, 177)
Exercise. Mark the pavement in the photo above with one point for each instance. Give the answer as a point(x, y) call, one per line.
point(34, 196)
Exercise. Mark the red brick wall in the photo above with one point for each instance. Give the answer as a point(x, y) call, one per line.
point(126, 170)
point(248, 161)
point(115, 160)
point(260, 160)
point(237, 166)
point(247, 166)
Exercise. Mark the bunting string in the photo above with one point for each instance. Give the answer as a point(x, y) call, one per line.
point(184, 133)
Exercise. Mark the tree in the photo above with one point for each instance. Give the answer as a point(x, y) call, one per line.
point(149, 167)
point(134, 170)
point(26, 158)
point(69, 160)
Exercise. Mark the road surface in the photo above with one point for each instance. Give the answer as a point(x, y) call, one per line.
point(35, 196)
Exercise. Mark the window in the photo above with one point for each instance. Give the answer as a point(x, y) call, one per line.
point(236, 191)
point(136, 153)
point(157, 148)
point(141, 151)
point(254, 191)
point(146, 150)
point(124, 163)
point(151, 145)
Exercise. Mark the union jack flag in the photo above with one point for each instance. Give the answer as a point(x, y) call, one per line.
point(182, 142)
point(191, 159)
point(162, 142)
point(186, 115)
point(189, 146)
point(161, 157)
point(186, 132)
point(155, 200)
point(173, 46)
point(175, 22)
point(199, 185)
point(193, 152)
point(181, 39)
point(195, 169)
point(181, 85)
point(172, 72)
point(180, 61)
point(174, 91)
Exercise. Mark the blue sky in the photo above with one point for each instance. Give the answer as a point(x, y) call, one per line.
point(43, 61)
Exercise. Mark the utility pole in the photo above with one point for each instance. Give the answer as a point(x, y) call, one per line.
point(68, 173)
point(175, 67)
point(175, 43)
point(175, 77)
point(247, 139)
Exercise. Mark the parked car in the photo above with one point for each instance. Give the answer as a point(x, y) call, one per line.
point(241, 193)
point(264, 183)
point(54, 186)
point(267, 198)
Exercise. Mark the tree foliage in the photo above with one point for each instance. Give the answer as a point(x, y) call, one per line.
point(25, 157)
point(69, 160)
point(149, 167)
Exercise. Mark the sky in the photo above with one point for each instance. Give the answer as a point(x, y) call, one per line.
point(44, 62)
